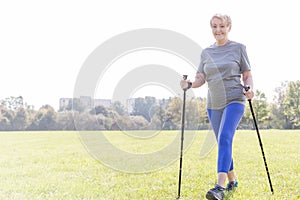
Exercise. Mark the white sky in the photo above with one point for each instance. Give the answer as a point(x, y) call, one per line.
point(43, 44)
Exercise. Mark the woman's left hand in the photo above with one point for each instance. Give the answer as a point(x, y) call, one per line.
point(249, 93)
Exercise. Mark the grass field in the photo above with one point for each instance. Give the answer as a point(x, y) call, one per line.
point(56, 165)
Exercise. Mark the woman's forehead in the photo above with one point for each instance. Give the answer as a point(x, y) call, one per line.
point(217, 20)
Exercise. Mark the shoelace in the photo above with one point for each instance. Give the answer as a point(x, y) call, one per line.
point(218, 188)
point(233, 184)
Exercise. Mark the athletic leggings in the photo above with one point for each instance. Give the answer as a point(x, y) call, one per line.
point(224, 123)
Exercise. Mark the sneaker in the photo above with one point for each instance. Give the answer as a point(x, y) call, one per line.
point(216, 193)
point(232, 186)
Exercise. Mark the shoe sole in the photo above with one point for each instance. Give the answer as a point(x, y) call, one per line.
point(210, 196)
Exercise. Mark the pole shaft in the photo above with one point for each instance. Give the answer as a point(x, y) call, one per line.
point(181, 146)
point(261, 145)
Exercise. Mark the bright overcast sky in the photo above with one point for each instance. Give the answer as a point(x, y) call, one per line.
point(44, 44)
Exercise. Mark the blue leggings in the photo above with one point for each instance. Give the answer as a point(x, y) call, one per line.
point(224, 123)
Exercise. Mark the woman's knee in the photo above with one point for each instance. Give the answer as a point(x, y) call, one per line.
point(224, 141)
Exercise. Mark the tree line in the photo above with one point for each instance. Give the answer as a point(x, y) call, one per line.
point(149, 114)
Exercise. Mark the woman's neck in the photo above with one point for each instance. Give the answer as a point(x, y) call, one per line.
point(222, 43)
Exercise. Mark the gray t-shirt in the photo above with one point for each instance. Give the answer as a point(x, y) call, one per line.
point(223, 66)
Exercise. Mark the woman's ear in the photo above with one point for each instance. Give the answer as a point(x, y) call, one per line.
point(229, 28)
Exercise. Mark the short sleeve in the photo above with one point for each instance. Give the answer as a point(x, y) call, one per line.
point(244, 62)
point(201, 65)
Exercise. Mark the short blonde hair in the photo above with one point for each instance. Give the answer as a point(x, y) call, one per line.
point(225, 18)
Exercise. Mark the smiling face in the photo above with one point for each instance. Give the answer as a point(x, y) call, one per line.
point(220, 30)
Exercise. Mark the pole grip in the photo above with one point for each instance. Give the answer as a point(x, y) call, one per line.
point(246, 87)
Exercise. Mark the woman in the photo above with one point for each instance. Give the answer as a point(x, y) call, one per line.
point(222, 66)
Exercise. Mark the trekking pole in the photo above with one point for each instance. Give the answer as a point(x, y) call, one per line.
point(182, 137)
point(260, 142)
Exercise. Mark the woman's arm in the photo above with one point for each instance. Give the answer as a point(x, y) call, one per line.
point(248, 81)
point(199, 81)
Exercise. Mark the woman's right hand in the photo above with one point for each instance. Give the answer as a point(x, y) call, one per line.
point(185, 84)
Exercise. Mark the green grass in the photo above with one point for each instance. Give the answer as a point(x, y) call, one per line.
point(56, 165)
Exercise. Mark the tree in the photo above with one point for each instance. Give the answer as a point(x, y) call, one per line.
point(291, 104)
point(15, 114)
point(6, 117)
point(65, 120)
point(139, 122)
point(100, 110)
point(13, 103)
point(159, 117)
point(45, 119)
point(203, 122)
point(260, 106)
point(20, 121)
point(278, 119)
point(143, 106)
point(285, 112)
point(119, 108)
point(192, 117)
point(261, 112)
point(173, 114)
